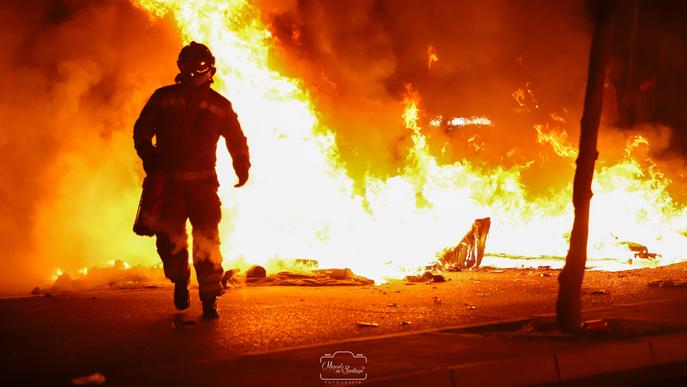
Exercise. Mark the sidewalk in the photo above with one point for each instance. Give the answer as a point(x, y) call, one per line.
point(648, 339)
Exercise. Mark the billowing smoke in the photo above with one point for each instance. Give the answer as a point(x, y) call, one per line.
point(75, 75)
point(358, 56)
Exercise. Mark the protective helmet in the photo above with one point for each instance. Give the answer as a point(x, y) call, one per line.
point(196, 65)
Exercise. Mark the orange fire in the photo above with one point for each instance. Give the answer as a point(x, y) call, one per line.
point(525, 98)
point(301, 203)
point(558, 139)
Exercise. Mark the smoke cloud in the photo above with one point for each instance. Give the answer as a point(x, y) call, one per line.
point(75, 75)
point(358, 57)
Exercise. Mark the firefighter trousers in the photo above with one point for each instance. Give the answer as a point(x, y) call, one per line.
point(198, 202)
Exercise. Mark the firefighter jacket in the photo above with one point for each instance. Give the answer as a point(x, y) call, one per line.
point(186, 124)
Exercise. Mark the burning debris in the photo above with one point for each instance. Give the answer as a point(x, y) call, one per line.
point(640, 251)
point(181, 321)
point(470, 251)
point(466, 254)
point(257, 276)
point(117, 275)
point(320, 277)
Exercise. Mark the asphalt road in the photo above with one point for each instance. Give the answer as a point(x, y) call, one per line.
point(68, 335)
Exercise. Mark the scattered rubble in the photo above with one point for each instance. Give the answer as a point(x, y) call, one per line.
point(120, 276)
point(364, 324)
point(426, 277)
point(299, 264)
point(438, 278)
point(230, 279)
point(640, 251)
point(257, 276)
point(255, 272)
point(597, 325)
point(319, 277)
point(179, 321)
point(667, 284)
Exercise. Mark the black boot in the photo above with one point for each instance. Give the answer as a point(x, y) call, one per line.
point(182, 298)
point(210, 308)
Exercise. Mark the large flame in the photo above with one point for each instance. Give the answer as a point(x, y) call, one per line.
point(300, 202)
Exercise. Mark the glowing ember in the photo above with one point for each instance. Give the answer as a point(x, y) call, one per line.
point(525, 97)
point(557, 139)
point(461, 121)
point(436, 121)
point(432, 56)
point(635, 142)
point(556, 117)
point(58, 274)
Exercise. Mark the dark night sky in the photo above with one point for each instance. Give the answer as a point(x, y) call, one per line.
point(649, 65)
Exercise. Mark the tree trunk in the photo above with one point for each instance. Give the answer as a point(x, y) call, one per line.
point(568, 305)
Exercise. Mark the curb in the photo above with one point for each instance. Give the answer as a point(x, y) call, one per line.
point(669, 349)
point(600, 359)
point(605, 358)
point(536, 369)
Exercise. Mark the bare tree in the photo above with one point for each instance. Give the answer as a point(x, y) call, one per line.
point(568, 305)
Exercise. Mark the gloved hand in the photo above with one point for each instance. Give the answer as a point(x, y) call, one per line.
point(151, 163)
point(241, 167)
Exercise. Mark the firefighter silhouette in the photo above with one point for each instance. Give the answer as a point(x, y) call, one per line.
point(185, 120)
